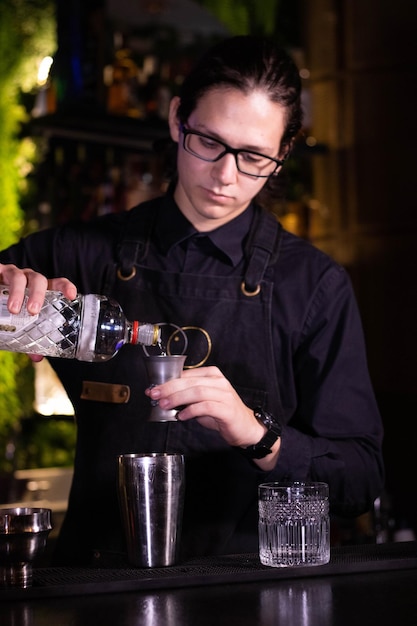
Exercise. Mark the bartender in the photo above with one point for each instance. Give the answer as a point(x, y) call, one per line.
point(276, 385)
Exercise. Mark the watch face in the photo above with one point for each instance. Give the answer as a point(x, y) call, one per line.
point(265, 417)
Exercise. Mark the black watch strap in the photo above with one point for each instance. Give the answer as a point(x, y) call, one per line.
point(263, 447)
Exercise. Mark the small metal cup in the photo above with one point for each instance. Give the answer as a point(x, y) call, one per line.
point(151, 497)
point(23, 536)
point(160, 369)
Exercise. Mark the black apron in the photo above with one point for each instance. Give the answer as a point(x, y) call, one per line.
point(222, 321)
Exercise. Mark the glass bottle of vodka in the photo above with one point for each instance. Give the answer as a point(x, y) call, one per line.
point(89, 328)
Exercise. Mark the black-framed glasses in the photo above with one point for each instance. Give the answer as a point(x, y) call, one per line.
point(209, 149)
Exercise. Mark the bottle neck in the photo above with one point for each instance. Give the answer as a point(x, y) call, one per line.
point(144, 334)
point(134, 333)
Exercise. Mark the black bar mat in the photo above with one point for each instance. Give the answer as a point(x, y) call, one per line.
point(64, 581)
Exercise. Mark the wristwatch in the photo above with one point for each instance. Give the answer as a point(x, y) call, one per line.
point(263, 447)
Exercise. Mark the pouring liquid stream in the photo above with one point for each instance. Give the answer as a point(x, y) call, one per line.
point(162, 348)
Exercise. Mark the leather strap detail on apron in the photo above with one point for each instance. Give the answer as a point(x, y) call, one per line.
point(105, 392)
point(262, 250)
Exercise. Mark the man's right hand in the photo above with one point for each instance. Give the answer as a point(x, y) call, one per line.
point(18, 280)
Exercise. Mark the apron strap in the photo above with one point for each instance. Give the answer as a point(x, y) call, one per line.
point(262, 251)
point(134, 243)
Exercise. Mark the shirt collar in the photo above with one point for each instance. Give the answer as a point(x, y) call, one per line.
point(173, 228)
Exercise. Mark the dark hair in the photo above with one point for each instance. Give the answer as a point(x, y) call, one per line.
point(247, 62)
point(244, 62)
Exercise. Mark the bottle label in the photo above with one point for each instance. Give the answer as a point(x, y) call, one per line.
point(88, 331)
point(13, 323)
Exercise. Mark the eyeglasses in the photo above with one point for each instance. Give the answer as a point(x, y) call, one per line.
point(211, 150)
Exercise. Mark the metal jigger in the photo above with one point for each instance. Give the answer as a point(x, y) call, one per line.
point(162, 368)
point(23, 535)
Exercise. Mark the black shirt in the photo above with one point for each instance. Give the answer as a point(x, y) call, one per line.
point(332, 430)
point(180, 247)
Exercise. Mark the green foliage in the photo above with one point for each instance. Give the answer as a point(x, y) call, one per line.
point(10, 213)
point(27, 34)
point(45, 442)
point(241, 17)
point(16, 399)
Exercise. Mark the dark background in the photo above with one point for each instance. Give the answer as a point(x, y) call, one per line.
point(351, 187)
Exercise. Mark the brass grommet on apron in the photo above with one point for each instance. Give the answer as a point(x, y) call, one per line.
point(250, 293)
point(129, 276)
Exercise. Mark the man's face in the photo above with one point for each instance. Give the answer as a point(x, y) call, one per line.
point(211, 194)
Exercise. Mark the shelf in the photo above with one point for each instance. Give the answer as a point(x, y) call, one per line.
point(96, 127)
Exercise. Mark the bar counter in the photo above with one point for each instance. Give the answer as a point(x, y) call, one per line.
point(370, 584)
